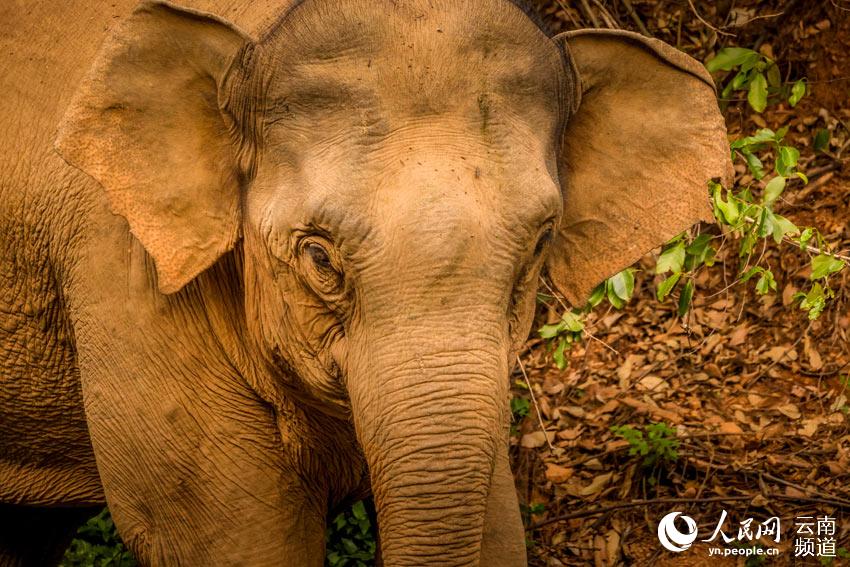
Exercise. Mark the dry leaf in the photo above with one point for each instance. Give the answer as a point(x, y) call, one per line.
point(652, 383)
point(596, 485)
point(569, 434)
point(815, 361)
point(534, 439)
point(777, 353)
point(810, 426)
point(789, 410)
point(739, 335)
point(759, 500)
point(612, 547)
point(609, 406)
point(730, 428)
point(711, 343)
point(794, 493)
point(557, 473)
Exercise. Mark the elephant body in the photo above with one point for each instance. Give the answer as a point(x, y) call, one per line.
point(149, 361)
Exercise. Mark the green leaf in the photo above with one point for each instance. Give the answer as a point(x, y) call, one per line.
point(558, 355)
point(739, 80)
point(623, 284)
point(805, 237)
point(766, 223)
point(350, 546)
point(753, 164)
point(699, 251)
point(757, 93)
point(761, 136)
point(699, 245)
point(814, 302)
point(773, 189)
point(550, 331)
point(821, 141)
point(667, 286)
point(765, 283)
point(783, 227)
point(671, 260)
point(613, 298)
point(572, 321)
point(774, 78)
point(597, 295)
point(725, 211)
point(358, 510)
point(520, 407)
point(824, 265)
point(685, 298)
point(751, 272)
point(731, 57)
point(747, 244)
point(787, 160)
point(797, 92)
point(802, 176)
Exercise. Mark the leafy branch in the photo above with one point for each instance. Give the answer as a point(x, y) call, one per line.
point(744, 215)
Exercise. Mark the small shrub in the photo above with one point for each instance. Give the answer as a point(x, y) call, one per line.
point(657, 444)
point(98, 545)
point(351, 539)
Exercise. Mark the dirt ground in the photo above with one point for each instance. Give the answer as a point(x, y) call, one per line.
point(757, 394)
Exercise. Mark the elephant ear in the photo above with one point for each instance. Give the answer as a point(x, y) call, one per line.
point(147, 125)
point(645, 138)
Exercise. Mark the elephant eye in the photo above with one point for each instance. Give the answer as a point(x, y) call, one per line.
point(318, 266)
point(319, 256)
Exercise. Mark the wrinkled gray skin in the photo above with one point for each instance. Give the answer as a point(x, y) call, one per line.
point(251, 276)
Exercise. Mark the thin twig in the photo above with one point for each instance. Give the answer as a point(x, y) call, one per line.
point(634, 504)
point(762, 17)
point(609, 21)
point(568, 12)
point(635, 17)
point(584, 330)
point(652, 502)
point(709, 26)
point(534, 401)
point(812, 249)
point(588, 13)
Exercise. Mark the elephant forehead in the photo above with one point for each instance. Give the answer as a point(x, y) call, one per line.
point(410, 57)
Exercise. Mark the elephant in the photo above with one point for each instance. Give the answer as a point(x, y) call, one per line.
point(263, 259)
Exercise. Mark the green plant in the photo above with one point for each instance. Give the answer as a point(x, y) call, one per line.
point(350, 539)
point(744, 216)
point(756, 74)
point(529, 510)
point(520, 408)
point(98, 545)
point(657, 443)
point(350, 542)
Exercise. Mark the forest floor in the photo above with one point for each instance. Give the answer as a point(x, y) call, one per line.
point(753, 395)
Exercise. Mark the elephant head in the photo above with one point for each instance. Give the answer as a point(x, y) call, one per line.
point(395, 175)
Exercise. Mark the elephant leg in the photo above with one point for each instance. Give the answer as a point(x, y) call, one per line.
point(37, 537)
point(504, 536)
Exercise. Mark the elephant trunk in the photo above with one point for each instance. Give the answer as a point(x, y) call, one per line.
point(429, 421)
